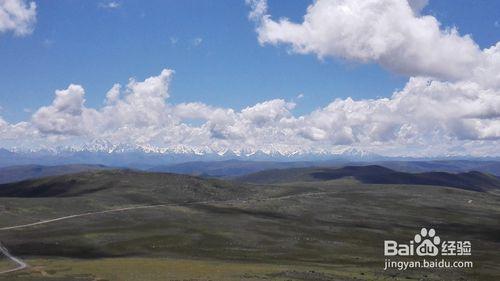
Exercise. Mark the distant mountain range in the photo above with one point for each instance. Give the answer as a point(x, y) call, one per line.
point(148, 157)
point(107, 147)
point(165, 159)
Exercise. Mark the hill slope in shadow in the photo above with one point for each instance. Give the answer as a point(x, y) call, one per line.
point(25, 172)
point(374, 174)
point(235, 168)
point(228, 168)
point(125, 186)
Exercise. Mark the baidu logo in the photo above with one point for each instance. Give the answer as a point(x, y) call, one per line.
point(427, 243)
point(424, 249)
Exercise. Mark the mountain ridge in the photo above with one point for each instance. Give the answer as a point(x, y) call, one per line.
point(26, 172)
point(375, 174)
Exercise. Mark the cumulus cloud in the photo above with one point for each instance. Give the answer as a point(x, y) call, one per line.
point(425, 113)
point(389, 32)
point(113, 94)
point(17, 16)
point(65, 115)
point(16, 135)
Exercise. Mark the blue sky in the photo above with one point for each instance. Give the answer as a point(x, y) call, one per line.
point(290, 76)
point(81, 42)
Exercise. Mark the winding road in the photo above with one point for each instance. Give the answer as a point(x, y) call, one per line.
point(23, 265)
point(155, 206)
point(20, 264)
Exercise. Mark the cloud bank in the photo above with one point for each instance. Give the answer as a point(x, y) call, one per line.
point(449, 106)
point(427, 117)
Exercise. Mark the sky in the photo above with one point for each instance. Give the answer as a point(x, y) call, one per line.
point(393, 77)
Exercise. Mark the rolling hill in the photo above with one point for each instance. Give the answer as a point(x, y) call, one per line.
point(450, 166)
point(124, 185)
point(131, 225)
point(25, 172)
point(374, 174)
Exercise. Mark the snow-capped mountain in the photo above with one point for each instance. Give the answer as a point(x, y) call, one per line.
point(108, 153)
point(104, 146)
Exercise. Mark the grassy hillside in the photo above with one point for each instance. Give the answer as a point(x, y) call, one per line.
point(218, 230)
point(374, 174)
point(450, 166)
point(20, 173)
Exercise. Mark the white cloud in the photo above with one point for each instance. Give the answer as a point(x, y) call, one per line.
point(17, 16)
point(113, 94)
point(16, 135)
point(488, 72)
point(387, 32)
point(427, 112)
point(65, 115)
point(258, 9)
point(391, 33)
point(267, 112)
point(143, 104)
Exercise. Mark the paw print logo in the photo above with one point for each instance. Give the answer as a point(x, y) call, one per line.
point(428, 242)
